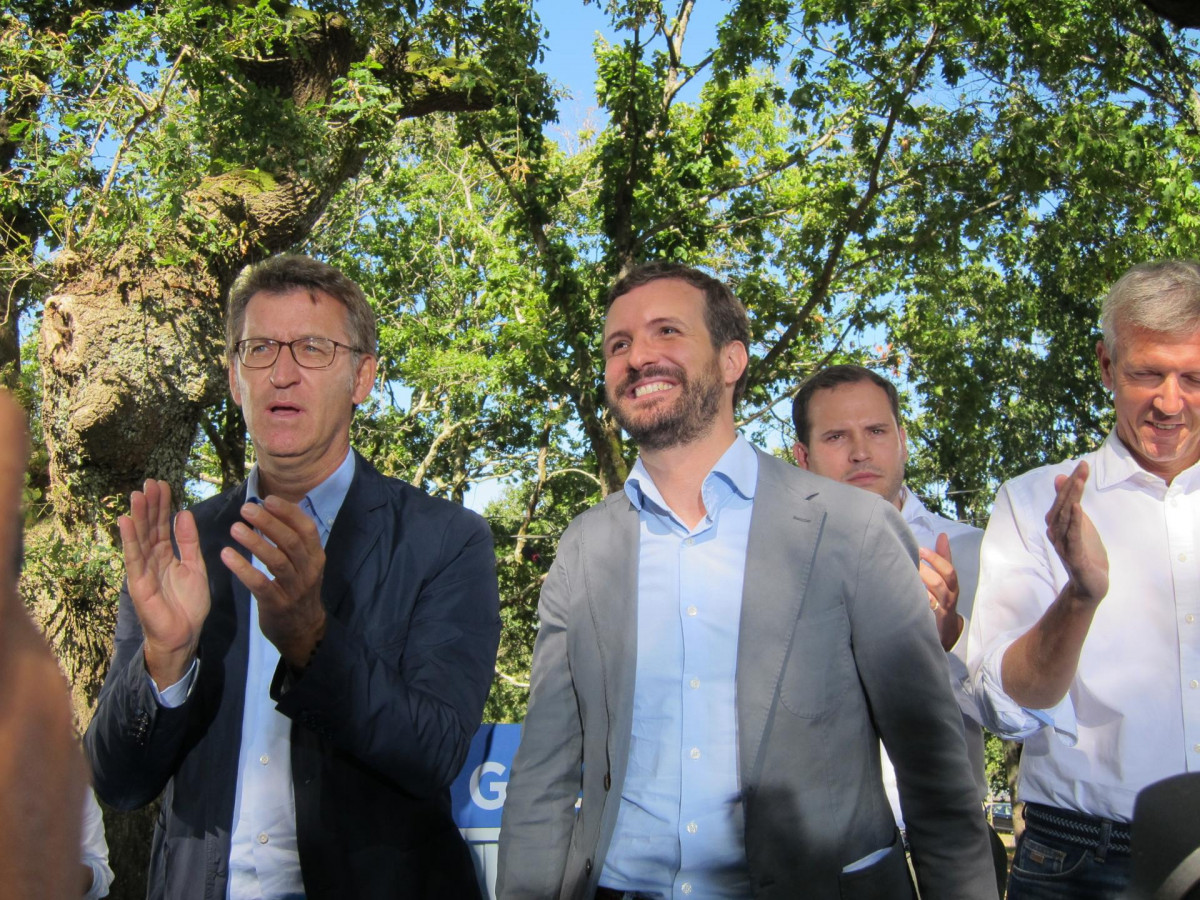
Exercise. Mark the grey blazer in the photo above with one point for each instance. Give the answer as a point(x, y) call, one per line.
point(837, 650)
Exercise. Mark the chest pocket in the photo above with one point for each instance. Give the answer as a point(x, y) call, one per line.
point(819, 667)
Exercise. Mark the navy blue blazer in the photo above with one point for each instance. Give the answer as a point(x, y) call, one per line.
point(381, 718)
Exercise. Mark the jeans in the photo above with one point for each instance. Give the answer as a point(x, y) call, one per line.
point(1046, 868)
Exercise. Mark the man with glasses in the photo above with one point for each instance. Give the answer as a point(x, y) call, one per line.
point(300, 662)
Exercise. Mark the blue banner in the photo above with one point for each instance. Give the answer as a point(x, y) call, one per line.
point(477, 795)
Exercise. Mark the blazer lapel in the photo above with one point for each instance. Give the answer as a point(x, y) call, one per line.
point(224, 652)
point(355, 533)
point(229, 615)
point(784, 530)
point(610, 565)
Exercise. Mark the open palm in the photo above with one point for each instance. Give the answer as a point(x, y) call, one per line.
point(169, 592)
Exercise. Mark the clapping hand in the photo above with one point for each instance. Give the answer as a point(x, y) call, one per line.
point(941, 585)
point(169, 593)
point(1075, 538)
point(286, 541)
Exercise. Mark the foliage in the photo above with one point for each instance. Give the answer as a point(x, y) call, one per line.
point(71, 587)
point(941, 190)
point(1001, 776)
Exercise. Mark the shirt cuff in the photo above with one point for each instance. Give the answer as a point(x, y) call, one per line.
point(102, 878)
point(175, 695)
point(1009, 719)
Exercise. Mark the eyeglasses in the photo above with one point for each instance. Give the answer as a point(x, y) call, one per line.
point(308, 352)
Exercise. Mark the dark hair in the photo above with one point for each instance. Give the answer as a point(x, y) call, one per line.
point(724, 315)
point(832, 377)
point(285, 273)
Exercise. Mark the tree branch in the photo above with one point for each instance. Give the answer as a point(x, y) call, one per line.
point(820, 290)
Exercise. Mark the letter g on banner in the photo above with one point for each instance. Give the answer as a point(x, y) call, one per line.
point(496, 789)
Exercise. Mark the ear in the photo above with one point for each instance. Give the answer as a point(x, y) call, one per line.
point(800, 454)
point(1106, 364)
point(903, 446)
point(734, 360)
point(234, 388)
point(364, 379)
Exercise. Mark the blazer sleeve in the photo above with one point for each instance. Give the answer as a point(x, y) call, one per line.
point(539, 807)
point(904, 673)
point(400, 685)
point(133, 744)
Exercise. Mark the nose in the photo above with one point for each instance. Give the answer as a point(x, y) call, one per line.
point(286, 371)
point(1169, 400)
point(860, 450)
point(641, 354)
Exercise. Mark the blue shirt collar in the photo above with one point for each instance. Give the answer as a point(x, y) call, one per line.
point(323, 501)
point(737, 469)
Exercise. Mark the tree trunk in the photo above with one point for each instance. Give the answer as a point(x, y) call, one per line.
point(132, 356)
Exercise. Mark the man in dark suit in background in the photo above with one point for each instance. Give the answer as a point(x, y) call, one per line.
point(302, 663)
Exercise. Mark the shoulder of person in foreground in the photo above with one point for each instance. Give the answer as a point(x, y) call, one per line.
point(42, 776)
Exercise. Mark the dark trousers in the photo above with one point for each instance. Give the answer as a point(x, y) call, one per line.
point(1046, 867)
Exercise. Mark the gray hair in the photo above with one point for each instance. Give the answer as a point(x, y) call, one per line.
point(1162, 296)
point(285, 273)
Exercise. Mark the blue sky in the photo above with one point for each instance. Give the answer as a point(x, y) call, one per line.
point(570, 61)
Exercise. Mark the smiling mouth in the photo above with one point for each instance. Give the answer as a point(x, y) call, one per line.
point(654, 388)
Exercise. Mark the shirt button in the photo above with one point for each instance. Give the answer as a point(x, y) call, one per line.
point(262, 838)
point(1196, 747)
point(691, 610)
point(1183, 557)
point(686, 887)
point(264, 759)
point(1189, 618)
point(1194, 684)
point(689, 542)
point(695, 683)
point(692, 828)
point(695, 753)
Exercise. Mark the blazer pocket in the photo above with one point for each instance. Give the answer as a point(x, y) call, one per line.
point(886, 879)
point(820, 667)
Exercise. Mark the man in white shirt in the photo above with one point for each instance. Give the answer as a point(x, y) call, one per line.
point(848, 428)
point(1084, 640)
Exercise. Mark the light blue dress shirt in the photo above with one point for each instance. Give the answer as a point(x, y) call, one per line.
point(680, 825)
point(264, 861)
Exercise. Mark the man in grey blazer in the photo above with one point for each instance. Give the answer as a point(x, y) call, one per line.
point(722, 647)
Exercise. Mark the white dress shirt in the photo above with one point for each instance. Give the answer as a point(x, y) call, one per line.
point(93, 850)
point(964, 551)
point(1132, 714)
